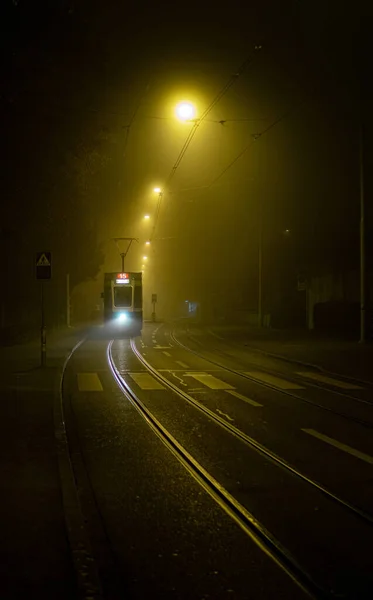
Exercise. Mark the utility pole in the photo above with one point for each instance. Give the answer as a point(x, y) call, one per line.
point(261, 171)
point(362, 236)
point(68, 300)
point(260, 273)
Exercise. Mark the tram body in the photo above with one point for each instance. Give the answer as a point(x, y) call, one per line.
point(123, 310)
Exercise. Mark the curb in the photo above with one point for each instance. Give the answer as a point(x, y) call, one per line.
point(86, 571)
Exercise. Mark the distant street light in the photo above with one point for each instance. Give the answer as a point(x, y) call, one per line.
point(145, 258)
point(157, 190)
point(147, 243)
point(146, 216)
point(185, 111)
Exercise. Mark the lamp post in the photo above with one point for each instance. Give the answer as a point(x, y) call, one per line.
point(362, 236)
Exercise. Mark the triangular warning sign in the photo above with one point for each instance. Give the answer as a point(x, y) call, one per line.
point(43, 261)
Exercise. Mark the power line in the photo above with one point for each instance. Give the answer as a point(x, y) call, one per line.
point(255, 138)
point(197, 123)
point(212, 104)
point(137, 108)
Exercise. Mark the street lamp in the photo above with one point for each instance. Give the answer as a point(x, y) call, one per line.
point(147, 243)
point(145, 258)
point(157, 190)
point(146, 216)
point(185, 111)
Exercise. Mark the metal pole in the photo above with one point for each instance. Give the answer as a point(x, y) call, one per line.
point(260, 275)
point(122, 257)
point(43, 333)
point(362, 237)
point(68, 300)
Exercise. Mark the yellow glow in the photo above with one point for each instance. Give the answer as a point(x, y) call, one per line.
point(146, 216)
point(157, 190)
point(147, 243)
point(145, 258)
point(185, 111)
point(143, 266)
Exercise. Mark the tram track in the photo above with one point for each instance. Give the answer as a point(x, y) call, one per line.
point(280, 552)
point(250, 441)
point(290, 377)
point(245, 520)
point(269, 543)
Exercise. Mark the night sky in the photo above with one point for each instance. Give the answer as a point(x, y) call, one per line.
point(87, 95)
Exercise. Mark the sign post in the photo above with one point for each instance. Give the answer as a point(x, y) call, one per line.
point(43, 273)
point(154, 302)
point(303, 287)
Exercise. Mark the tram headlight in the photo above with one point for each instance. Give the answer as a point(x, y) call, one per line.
point(122, 318)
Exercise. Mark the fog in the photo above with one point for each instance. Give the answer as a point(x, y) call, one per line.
point(89, 101)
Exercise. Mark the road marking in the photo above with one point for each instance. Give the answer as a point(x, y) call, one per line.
point(212, 382)
point(241, 397)
point(330, 380)
point(146, 381)
point(161, 347)
point(340, 446)
point(216, 335)
point(224, 415)
point(166, 353)
point(89, 382)
point(180, 362)
point(282, 384)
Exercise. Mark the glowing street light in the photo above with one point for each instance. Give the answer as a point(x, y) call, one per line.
point(157, 190)
point(146, 216)
point(147, 243)
point(185, 111)
point(145, 258)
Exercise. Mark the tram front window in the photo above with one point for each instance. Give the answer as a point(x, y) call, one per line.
point(123, 296)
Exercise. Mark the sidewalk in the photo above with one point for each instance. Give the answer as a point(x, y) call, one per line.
point(347, 358)
point(35, 560)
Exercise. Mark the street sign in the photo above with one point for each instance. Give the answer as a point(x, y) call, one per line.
point(302, 283)
point(43, 265)
point(154, 298)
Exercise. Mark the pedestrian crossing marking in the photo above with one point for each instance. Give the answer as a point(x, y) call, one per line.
point(210, 381)
point(278, 382)
point(319, 377)
point(146, 381)
point(89, 382)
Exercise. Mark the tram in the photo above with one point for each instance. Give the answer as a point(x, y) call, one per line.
point(123, 310)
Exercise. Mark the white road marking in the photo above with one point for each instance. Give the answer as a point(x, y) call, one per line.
point(241, 397)
point(282, 384)
point(89, 382)
point(146, 381)
point(329, 380)
point(161, 347)
point(224, 415)
point(182, 382)
point(340, 445)
point(166, 353)
point(216, 335)
point(180, 362)
point(212, 382)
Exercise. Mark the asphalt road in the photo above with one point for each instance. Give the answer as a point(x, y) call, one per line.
point(156, 529)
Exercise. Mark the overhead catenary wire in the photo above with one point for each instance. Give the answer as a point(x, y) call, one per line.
point(254, 138)
point(197, 123)
point(128, 127)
